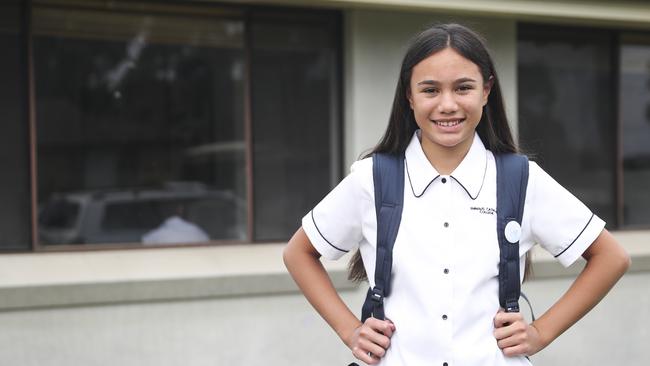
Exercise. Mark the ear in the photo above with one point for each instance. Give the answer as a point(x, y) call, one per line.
point(409, 97)
point(487, 88)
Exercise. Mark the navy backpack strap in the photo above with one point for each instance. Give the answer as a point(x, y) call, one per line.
point(512, 180)
point(388, 179)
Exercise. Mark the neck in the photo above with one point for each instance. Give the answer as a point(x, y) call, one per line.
point(446, 159)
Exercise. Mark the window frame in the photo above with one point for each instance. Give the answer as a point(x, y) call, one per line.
point(616, 37)
point(247, 14)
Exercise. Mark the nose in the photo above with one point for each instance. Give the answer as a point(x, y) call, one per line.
point(447, 103)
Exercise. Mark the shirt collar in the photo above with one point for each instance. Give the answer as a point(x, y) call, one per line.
point(470, 173)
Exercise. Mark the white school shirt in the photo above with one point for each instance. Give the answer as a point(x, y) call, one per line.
point(445, 260)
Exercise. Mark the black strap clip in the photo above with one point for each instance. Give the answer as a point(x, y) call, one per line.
point(377, 295)
point(512, 306)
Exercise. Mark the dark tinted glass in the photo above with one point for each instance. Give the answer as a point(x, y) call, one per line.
point(59, 214)
point(566, 105)
point(14, 131)
point(634, 112)
point(138, 115)
point(295, 117)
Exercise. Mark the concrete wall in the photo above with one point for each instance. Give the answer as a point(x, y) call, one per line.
point(615, 332)
point(284, 330)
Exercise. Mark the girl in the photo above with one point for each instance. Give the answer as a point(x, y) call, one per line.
point(448, 119)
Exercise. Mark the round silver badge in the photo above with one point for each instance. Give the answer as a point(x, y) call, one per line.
point(513, 232)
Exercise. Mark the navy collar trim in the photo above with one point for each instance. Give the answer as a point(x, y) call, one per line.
point(482, 182)
point(418, 195)
point(411, 182)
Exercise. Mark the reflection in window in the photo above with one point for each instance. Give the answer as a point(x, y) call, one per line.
point(59, 213)
point(294, 112)
point(634, 99)
point(566, 103)
point(150, 216)
point(129, 103)
point(154, 127)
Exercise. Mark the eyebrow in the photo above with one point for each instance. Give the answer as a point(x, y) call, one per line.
point(434, 82)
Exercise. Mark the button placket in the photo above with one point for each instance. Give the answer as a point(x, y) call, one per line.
point(446, 189)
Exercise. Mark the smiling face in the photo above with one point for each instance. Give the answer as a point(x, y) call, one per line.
point(447, 94)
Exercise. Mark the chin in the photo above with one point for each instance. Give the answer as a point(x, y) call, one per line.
point(451, 142)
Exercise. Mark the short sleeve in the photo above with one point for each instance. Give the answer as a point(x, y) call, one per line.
point(560, 223)
point(334, 225)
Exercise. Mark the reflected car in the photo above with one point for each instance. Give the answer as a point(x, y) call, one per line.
point(125, 216)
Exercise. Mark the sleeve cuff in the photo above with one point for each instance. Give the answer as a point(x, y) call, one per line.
point(574, 250)
point(326, 249)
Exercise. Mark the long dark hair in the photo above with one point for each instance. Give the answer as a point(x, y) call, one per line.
point(493, 127)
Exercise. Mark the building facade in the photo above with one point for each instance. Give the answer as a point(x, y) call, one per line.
point(157, 155)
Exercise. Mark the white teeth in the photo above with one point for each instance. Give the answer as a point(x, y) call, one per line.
point(448, 123)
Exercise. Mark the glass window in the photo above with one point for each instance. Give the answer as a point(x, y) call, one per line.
point(567, 101)
point(160, 123)
point(634, 112)
point(293, 74)
point(15, 228)
point(138, 115)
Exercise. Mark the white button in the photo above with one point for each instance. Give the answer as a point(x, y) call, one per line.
point(513, 232)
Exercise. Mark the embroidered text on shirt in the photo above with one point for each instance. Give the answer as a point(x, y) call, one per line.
point(484, 210)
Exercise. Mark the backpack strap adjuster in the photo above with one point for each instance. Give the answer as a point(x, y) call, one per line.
point(377, 295)
point(512, 306)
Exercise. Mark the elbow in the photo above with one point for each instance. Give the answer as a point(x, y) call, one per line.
point(626, 261)
point(286, 256)
point(621, 261)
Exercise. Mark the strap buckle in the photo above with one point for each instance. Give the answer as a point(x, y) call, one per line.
point(377, 295)
point(512, 306)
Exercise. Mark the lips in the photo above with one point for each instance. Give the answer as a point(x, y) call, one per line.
point(448, 122)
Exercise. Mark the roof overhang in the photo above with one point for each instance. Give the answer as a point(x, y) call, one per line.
point(595, 12)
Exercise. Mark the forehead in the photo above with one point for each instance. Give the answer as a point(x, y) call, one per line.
point(445, 65)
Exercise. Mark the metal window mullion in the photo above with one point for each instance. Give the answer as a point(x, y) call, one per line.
point(31, 121)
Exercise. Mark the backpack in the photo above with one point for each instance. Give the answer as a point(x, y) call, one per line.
point(388, 178)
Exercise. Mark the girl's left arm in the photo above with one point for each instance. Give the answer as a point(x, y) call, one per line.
point(606, 260)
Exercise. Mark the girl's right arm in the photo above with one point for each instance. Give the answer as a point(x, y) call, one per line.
point(368, 341)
